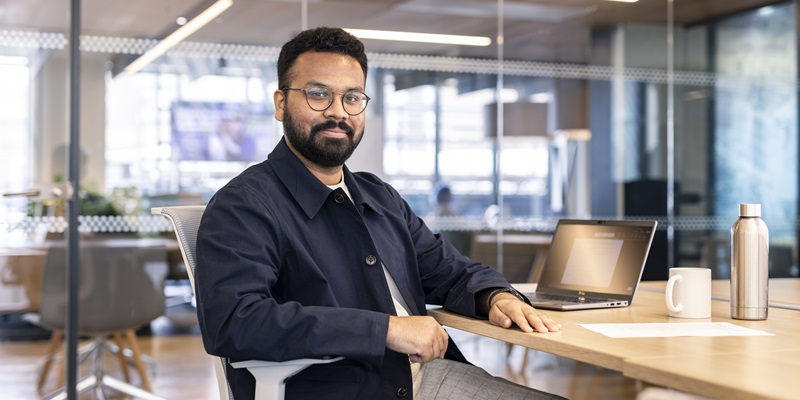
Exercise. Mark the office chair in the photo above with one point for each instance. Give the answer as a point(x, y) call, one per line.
point(121, 289)
point(270, 376)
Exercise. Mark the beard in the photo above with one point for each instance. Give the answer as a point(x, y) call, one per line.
point(321, 150)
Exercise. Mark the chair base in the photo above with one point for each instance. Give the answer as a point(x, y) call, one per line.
point(101, 381)
point(94, 350)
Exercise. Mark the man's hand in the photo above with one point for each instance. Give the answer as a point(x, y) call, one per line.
point(422, 338)
point(507, 308)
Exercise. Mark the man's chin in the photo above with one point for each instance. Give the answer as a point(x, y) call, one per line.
point(335, 154)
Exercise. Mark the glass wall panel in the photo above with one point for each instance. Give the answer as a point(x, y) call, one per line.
point(608, 76)
point(755, 137)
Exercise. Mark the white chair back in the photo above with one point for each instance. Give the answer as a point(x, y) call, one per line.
point(186, 221)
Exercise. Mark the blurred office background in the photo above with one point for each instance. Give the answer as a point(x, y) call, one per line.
point(674, 110)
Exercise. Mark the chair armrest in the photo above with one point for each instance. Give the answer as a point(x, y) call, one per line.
point(270, 375)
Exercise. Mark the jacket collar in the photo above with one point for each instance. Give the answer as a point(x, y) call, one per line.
point(308, 191)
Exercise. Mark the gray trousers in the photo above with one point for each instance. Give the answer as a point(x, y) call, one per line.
point(452, 380)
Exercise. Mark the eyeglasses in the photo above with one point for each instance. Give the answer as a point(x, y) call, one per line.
point(320, 98)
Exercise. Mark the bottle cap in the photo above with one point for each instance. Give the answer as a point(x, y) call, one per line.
point(750, 210)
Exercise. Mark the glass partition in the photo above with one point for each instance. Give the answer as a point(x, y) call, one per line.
point(598, 138)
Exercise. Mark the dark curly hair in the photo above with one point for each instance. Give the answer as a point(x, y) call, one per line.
point(323, 39)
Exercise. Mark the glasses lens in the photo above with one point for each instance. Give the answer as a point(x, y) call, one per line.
point(354, 102)
point(319, 98)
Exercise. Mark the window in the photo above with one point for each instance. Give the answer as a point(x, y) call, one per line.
point(439, 132)
point(15, 133)
point(142, 148)
point(756, 130)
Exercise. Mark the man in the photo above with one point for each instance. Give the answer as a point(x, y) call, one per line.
point(300, 258)
point(442, 201)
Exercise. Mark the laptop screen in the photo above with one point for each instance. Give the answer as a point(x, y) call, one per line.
point(594, 256)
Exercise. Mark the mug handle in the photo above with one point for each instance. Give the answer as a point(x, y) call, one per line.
point(670, 287)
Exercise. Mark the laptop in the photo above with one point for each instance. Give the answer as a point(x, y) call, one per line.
point(593, 264)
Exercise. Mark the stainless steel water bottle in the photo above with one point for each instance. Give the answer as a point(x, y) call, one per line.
point(749, 264)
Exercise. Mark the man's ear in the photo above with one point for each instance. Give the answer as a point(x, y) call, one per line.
point(279, 97)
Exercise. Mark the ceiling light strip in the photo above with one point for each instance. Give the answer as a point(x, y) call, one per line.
point(417, 37)
point(179, 35)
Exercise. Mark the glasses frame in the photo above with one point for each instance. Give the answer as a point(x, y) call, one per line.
point(341, 98)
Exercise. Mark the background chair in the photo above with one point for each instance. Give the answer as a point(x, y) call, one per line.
point(270, 376)
point(121, 289)
point(523, 254)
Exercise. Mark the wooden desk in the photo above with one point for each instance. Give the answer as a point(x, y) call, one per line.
point(738, 375)
point(783, 292)
point(630, 356)
point(21, 272)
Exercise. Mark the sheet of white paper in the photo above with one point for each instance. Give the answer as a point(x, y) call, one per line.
point(673, 329)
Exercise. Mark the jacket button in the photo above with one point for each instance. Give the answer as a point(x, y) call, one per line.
point(339, 198)
point(402, 392)
point(371, 260)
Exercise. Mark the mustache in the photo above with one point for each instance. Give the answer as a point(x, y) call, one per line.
point(330, 124)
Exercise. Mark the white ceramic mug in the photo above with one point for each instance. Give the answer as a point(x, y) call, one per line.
point(688, 293)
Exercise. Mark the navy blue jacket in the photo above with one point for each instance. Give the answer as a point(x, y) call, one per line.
point(288, 268)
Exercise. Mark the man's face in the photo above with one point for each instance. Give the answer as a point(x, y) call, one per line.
point(326, 138)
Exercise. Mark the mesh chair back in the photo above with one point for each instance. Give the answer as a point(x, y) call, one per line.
point(186, 221)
